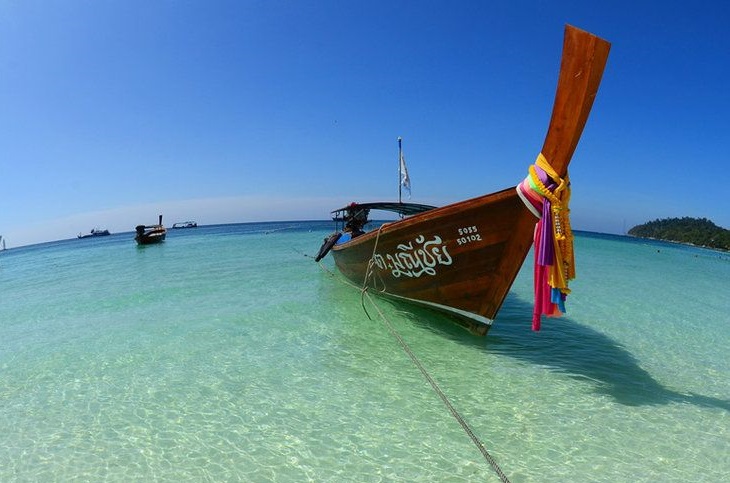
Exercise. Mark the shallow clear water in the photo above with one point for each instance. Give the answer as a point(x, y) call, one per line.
point(225, 354)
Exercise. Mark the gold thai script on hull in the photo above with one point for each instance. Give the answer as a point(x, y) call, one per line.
point(415, 258)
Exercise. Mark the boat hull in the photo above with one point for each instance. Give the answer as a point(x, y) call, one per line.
point(152, 237)
point(460, 259)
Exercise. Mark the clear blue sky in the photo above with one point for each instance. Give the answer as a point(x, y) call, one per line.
point(232, 111)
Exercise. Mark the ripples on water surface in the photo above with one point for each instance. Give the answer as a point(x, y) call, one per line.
point(224, 354)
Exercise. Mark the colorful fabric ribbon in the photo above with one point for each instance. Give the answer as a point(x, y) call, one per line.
point(547, 196)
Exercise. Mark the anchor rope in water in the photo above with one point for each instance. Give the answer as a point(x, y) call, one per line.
point(368, 273)
point(406, 348)
point(444, 398)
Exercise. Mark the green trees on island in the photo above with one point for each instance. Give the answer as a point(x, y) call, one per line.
point(696, 231)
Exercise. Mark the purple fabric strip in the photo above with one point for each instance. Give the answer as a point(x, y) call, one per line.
point(545, 179)
point(541, 174)
point(546, 252)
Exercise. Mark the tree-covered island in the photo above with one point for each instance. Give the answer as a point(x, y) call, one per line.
point(695, 231)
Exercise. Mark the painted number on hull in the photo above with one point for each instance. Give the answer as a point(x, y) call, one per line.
point(413, 260)
point(468, 234)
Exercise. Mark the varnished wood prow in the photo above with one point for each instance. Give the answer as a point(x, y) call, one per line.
point(581, 68)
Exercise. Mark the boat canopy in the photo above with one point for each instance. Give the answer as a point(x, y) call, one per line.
point(405, 209)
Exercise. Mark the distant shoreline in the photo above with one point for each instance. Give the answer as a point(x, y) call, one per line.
point(675, 242)
point(697, 232)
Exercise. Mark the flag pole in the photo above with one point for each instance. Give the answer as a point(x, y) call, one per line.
point(400, 164)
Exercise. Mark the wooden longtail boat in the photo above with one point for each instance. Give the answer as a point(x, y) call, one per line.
point(463, 258)
point(150, 234)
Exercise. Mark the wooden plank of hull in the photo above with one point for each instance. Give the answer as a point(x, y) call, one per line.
point(427, 259)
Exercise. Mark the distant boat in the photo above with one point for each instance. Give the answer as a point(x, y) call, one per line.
point(2, 243)
point(95, 232)
point(463, 258)
point(185, 224)
point(149, 234)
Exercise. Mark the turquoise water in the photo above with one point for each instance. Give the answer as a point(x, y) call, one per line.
point(225, 354)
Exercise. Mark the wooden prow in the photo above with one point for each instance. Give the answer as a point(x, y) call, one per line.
point(581, 68)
